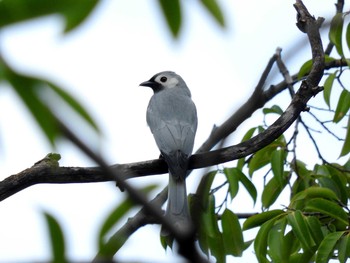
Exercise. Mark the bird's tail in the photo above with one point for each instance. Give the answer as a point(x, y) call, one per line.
point(177, 208)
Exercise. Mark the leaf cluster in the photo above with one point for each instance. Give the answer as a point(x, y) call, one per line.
point(314, 226)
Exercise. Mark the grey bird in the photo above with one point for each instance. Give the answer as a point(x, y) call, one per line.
point(172, 118)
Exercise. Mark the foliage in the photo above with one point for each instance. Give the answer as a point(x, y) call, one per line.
point(314, 226)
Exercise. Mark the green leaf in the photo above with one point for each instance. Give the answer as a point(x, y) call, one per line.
point(277, 162)
point(30, 90)
point(112, 219)
point(56, 238)
point(328, 208)
point(274, 109)
point(26, 88)
point(340, 181)
point(261, 158)
point(172, 13)
point(271, 192)
point(327, 246)
point(301, 230)
point(259, 219)
point(342, 107)
point(328, 88)
point(232, 176)
point(344, 248)
point(209, 233)
point(214, 9)
point(280, 246)
point(335, 32)
point(348, 35)
point(73, 12)
point(299, 200)
point(107, 249)
point(346, 146)
point(249, 186)
point(260, 243)
point(247, 136)
point(74, 105)
point(306, 67)
point(315, 228)
point(209, 218)
point(232, 234)
point(204, 188)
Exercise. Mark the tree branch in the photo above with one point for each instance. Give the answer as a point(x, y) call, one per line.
point(36, 175)
point(47, 172)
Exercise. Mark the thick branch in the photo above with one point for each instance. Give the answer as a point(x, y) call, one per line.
point(36, 175)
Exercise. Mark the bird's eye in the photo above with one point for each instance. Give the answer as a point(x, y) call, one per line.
point(163, 79)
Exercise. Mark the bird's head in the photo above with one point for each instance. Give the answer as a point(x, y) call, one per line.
point(165, 80)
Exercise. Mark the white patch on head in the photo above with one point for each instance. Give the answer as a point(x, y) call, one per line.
point(170, 82)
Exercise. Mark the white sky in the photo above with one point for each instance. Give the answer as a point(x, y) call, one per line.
point(102, 63)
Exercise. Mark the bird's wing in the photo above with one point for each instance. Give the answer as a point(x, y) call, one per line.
point(173, 122)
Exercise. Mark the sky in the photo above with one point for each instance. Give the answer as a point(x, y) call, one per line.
point(102, 64)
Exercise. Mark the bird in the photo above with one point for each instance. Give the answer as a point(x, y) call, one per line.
point(172, 119)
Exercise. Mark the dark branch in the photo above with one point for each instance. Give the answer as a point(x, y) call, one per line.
point(309, 88)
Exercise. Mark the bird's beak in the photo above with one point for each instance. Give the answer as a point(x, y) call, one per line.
point(152, 84)
point(147, 83)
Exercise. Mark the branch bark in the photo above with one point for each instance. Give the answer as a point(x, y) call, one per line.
point(203, 158)
point(48, 172)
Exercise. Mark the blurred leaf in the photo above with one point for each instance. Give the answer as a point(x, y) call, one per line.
point(74, 104)
point(56, 238)
point(172, 14)
point(30, 90)
point(347, 36)
point(335, 32)
point(344, 248)
point(249, 186)
point(107, 249)
point(271, 192)
point(327, 246)
point(343, 106)
point(214, 9)
point(259, 219)
point(328, 88)
point(274, 109)
point(346, 146)
point(232, 177)
point(301, 230)
point(232, 234)
point(112, 219)
point(277, 162)
point(73, 12)
point(26, 88)
point(328, 208)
